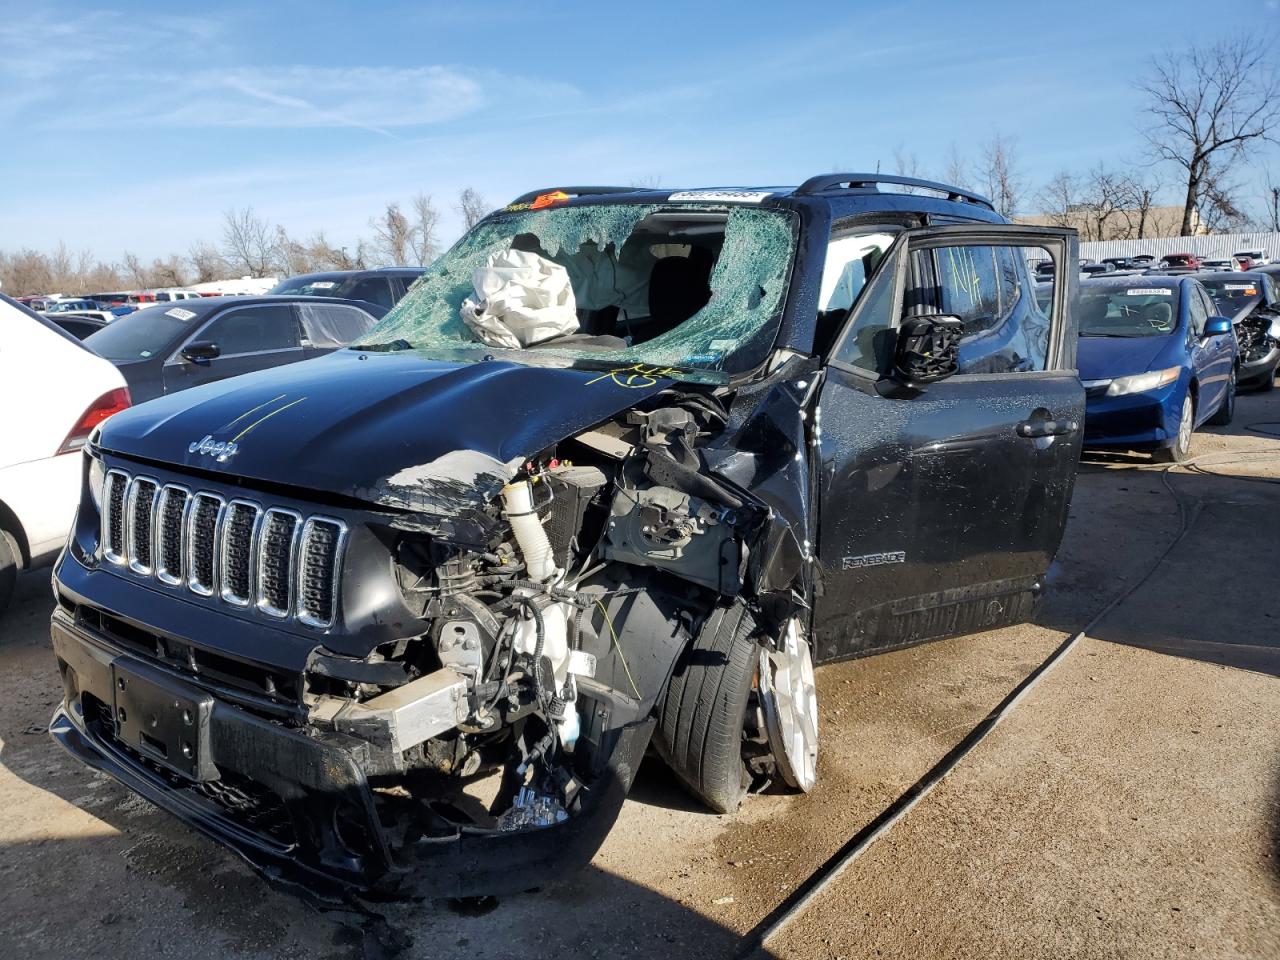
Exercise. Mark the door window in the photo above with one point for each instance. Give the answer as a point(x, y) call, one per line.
point(852, 258)
point(868, 339)
point(1199, 311)
point(271, 326)
point(373, 289)
point(1006, 329)
point(328, 326)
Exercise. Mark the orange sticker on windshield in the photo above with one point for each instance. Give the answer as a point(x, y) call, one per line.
point(549, 199)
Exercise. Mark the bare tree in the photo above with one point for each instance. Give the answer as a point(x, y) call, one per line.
point(207, 263)
point(1209, 104)
point(426, 221)
point(1271, 198)
point(649, 181)
point(1060, 198)
point(1220, 212)
point(249, 243)
point(168, 272)
point(471, 206)
point(907, 164)
point(957, 171)
point(1138, 198)
point(135, 274)
point(998, 173)
point(392, 236)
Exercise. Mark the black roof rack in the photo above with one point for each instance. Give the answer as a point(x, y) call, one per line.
point(575, 192)
point(866, 183)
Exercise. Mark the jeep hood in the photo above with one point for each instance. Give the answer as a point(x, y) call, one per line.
point(397, 430)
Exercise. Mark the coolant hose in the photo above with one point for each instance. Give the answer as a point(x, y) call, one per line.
point(535, 546)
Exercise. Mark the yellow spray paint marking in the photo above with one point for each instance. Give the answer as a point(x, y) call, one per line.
point(254, 410)
point(266, 418)
point(636, 376)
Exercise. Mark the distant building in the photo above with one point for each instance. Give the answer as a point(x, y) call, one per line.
point(1119, 224)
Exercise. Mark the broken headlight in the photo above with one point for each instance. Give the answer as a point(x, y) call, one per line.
point(1142, 382)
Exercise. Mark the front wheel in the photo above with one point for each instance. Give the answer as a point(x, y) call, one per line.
point(709, 722)
point(1227, 409)
point(8, 572)
point(1180, 452)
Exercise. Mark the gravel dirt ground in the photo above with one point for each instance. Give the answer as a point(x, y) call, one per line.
point(1127, 808)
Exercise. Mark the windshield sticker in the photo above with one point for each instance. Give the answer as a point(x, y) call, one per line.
point(636, 376)
point(723, 196)
point(1247, 288)
point(722, 346)
point(179, 314)
point(323, 285)
point(1150, 292)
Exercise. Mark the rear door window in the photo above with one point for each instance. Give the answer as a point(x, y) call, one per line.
point(373, 289)
point(255, 329)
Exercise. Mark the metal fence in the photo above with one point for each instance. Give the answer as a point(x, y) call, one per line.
point(1212, 247)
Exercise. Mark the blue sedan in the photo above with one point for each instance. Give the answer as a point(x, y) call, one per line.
point(1156, 363)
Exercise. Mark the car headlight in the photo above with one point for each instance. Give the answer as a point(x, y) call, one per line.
point(1141, 382)
point(97, 474)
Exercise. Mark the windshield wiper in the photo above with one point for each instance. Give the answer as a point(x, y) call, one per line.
point(389, 347)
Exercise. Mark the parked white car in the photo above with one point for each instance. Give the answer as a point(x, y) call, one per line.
point(55, 391)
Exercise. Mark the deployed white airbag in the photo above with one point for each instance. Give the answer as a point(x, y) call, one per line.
point(521, 298)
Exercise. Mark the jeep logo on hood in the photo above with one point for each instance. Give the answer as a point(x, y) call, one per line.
point(220, 450)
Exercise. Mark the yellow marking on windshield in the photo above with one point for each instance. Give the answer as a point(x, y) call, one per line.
point(266, 418)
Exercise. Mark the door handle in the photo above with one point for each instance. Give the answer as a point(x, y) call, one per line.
point(1047, 428)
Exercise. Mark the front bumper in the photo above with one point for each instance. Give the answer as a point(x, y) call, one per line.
point(1133, 420)
point(1257, 373)
point(299, 809)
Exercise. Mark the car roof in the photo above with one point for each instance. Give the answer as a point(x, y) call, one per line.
point(1130, 281)
point(845, 193)
point(206, 305)
point(347, 274)
point(1229, 274)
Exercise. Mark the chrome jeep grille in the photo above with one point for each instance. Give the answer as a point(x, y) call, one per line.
point(113, 500)
point(138, 506)
point(277, 552)
point(202, 531)
point(269, 558)
point(318, 570)
point(236, 549)
point(171, 515)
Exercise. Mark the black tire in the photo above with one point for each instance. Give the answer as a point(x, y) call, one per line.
point(1180, 450)
point(1268, 382)
point(1227, 409)
point(8, 573)
point(701, 717)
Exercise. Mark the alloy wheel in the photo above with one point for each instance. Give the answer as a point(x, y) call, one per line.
point(790, 701)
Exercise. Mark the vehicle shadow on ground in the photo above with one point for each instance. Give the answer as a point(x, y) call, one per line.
point(159, 872)
point(1213, 597)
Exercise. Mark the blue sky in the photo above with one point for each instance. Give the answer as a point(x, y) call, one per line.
point(134, 127)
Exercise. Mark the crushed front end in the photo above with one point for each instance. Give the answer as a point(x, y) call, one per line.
point(354, 696)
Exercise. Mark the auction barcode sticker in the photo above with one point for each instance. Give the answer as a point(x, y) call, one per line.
point(179, 314)
point(1150, 292)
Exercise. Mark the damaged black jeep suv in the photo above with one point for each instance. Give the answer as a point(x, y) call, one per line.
point(619, 469)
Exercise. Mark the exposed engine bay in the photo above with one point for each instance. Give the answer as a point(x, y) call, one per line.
point(525, 702)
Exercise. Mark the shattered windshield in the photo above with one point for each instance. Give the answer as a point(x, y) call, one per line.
point(691, 292)
point(1233, 296)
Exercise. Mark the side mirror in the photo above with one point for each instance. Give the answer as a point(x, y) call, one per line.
point(928, 349)
point(1217, 327)
point(202, 351)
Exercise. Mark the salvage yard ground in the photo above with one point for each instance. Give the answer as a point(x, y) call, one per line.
point(1127, 808)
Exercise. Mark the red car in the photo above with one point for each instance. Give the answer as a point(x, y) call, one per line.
point(1188, 260)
